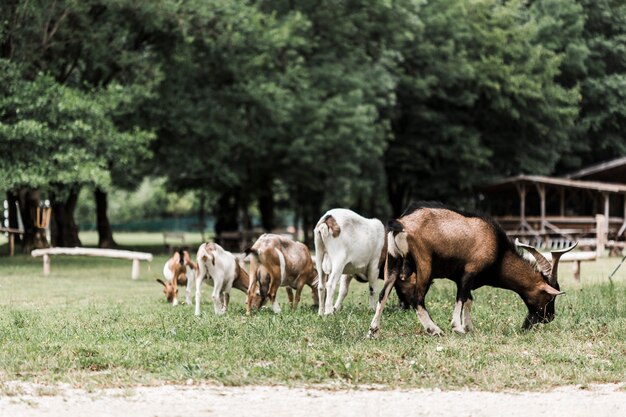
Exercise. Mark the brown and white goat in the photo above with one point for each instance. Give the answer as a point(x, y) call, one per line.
point(178, 270)
point(288, 263)
point(223, 270)
point(471, 250)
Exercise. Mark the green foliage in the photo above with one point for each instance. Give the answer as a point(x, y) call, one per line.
point(302, 106)
point(52, 135)
point(479, 98)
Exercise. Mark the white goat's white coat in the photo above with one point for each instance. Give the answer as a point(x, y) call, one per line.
point(355, 250)
point(220, 266)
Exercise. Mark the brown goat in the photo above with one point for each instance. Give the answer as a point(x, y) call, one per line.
point(288, 263)
point(472, 251)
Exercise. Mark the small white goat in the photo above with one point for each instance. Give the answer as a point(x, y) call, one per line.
point(346, 244)
point(178, 270)
point(221, 267)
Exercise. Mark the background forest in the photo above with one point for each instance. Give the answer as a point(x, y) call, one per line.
point(238, 110)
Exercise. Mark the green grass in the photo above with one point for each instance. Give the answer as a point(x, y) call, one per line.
point(90, 325)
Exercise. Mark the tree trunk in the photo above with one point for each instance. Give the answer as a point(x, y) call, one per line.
point(266, 206)
point(34, 238)
point(13, 222)
point(397, 192)
point(65, 231)
point(105, 234)
point(226, 219)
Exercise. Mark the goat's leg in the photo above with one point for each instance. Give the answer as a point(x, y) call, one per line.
point(191, 278)
point(273, 291)
point(225, 299)
point(333, 278)
point(392, 271)
point(199, 279)
point(290, 296)
point(462, 296)
point(467, 319)
point(321, 293)
point(372, 277)
point(217, 299)
point(422, 285)
point(344, 284)
point(300, 285)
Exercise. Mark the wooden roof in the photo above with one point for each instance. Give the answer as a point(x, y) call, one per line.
point(611, 171)
point(511, 183)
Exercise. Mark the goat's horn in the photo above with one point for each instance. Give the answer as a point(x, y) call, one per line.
point(556, 256)
point(544, 264)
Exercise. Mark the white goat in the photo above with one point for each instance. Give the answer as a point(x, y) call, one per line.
point(346, 244)
point(221, 267)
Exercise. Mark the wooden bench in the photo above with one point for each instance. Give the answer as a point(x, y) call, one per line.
point(575, 257)
point(178, 237)
point(11, 232)
point(105, 253)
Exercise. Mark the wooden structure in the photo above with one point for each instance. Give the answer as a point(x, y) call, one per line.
point(176, 237)
point(575, 257)
point(106, 253)
point(11, 232)
point(588, 205)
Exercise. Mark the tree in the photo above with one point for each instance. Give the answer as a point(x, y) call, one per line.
point(87, 47)
point(478, 99)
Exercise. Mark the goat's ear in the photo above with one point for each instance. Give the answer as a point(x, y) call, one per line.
point(160, 281)
point(552, 291)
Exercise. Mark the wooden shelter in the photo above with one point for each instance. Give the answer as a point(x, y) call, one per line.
point(587, 204)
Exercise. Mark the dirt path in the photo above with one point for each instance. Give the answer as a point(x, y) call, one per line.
point(203, 400)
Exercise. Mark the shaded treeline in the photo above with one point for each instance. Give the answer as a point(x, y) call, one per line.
point(301, 106)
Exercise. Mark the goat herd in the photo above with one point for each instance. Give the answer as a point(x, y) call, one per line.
point(428, 241)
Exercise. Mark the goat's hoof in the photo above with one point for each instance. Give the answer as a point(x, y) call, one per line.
point(468, 328)
point(434, 331)
point(373, 333)
point(459, 329)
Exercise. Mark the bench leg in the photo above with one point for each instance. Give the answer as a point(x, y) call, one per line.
point(135, 271)
point(46, 265)
point(576, 269)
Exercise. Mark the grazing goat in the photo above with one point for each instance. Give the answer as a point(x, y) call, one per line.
point(472, 251)
point(221, 267)
point(178, 270)
point(288, 264)
point(347, 244)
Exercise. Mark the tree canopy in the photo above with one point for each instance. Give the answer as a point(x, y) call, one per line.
point(301, 106)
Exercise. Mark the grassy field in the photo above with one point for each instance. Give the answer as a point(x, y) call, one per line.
point(90, 325)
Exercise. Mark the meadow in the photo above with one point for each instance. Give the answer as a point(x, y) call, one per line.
point(88, 324)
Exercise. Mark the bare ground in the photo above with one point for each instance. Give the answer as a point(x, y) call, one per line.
point(20, 399)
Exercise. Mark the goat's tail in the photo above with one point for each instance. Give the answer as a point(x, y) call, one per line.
point(397, 244)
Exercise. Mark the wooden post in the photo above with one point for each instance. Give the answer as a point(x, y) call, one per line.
point(135, 270)
point(46, 265)
point(601, 233)
point(541, 189)
point(11, 244)
point(576, 269)
point(606, 211)
point(521, 190)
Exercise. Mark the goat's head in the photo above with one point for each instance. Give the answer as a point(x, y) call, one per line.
point(169, 289)
point(541, 302)
point(260, 288)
